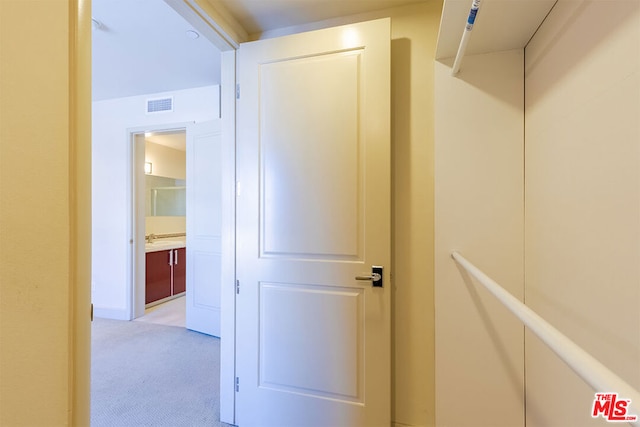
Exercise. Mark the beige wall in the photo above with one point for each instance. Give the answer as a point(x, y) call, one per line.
point(414, 31)
point(583, 199)
point(44, 214)
point(166, 161)
point(479, 213)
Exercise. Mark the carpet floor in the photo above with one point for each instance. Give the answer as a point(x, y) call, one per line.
point(145, 374)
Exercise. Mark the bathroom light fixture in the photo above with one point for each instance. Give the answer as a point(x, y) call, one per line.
point(147, 168)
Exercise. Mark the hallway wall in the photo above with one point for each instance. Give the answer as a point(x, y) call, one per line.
point(583, 200)
point(112, 120)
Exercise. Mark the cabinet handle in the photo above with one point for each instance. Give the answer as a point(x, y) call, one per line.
point(176, 258)
point(170, 257)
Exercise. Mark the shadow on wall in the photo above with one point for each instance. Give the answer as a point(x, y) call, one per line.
point(400, 176)
point(583, 37)
point(412, 299)
point(512, 371)
point(480, 72)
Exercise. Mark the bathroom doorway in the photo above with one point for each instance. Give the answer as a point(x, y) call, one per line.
point(163, 192)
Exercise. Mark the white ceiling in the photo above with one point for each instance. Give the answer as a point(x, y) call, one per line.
point(257, 16)
point(142, 47)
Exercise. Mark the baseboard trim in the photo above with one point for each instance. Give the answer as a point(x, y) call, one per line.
point(111, 313)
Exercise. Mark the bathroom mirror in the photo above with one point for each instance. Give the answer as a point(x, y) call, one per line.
point(165, 196)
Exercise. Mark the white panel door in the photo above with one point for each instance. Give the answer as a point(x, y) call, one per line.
point(313, 212)
point(204, 227)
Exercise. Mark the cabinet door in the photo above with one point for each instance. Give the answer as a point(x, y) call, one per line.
point(179, 270)
point(158, 276)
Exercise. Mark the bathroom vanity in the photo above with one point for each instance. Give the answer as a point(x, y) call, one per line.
point(165, 270)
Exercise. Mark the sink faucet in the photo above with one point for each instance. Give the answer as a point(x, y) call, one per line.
point(150, 237)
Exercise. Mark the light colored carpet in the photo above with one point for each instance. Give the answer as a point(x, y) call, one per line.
point(146, 374)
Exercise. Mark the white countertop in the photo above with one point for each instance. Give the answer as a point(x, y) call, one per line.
point(165, 245)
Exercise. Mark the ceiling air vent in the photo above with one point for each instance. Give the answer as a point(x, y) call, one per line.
point(159, 105)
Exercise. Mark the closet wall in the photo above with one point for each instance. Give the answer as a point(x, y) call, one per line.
point(583, 200)
point(479, 212)
point(538, 183)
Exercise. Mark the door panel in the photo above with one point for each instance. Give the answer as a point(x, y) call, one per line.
point(289, 318)
point(293, 218)
point(313, 212)
point(206, 265)
point(204, 227)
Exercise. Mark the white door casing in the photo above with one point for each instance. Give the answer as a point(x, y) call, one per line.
point(138, 225)
point(313, 212)
point(204, 227)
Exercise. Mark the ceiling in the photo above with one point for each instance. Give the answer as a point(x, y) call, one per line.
point(176, 139)
point(141, 46)
point(257, 16)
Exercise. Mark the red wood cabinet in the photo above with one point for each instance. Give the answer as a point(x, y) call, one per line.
point(165, 274)
point(158, 276)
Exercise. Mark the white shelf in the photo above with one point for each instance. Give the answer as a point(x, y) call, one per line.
point(500, 25)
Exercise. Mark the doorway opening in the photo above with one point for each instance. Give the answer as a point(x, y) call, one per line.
point(115, 245)
point(159, 209)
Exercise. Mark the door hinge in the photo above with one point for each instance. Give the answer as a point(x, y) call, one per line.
point(238, 91)
point(237, 384)
point(238, 287)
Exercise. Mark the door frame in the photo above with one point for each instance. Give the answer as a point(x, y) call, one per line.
point(228, 284)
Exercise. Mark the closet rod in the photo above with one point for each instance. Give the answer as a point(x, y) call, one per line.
point(465, 36)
